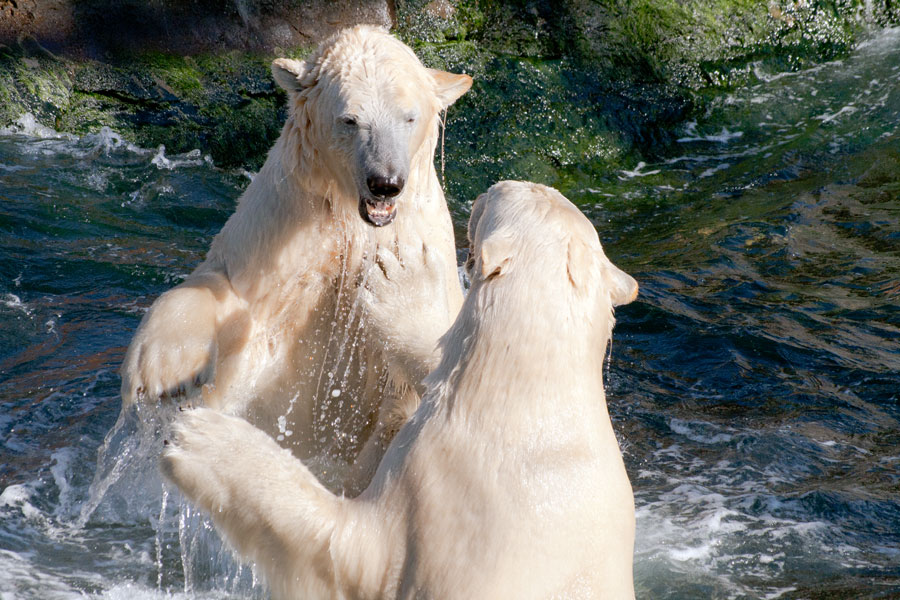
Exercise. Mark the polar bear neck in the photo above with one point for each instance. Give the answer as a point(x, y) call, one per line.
point(550, 365)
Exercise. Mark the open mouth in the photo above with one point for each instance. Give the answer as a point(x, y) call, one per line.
point(377, 211)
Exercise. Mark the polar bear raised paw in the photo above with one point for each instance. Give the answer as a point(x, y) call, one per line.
point(174, 352)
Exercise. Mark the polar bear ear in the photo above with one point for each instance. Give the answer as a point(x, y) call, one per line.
point(621, 286)
point(288, 73)
point(496, 254)
point(450, 86)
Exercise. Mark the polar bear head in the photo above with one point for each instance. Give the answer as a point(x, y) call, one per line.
point(366, 112)
point(561, 247)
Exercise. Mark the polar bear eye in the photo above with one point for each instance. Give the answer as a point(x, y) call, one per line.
point(349, 121)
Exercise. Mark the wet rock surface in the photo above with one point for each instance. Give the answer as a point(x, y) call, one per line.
point(98, 28)
point(593, 80)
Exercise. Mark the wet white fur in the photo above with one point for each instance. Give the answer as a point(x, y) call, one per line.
point(507, 482)
point(272, 322)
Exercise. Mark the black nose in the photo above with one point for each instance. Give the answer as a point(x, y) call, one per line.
point(385, 187)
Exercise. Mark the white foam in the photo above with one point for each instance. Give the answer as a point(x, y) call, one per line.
point(829, 117)
point(884, 42)
point(107, 139)
point(90, 145)
point(14, 302)
point(723, 137)
point(770, 77)
point(15, 495)
point(133, 591)
point(28, 125)
point(699, 432)
point(778, 593)
point(713, 170)
point(190, 159)
point(160, 161)
point(637, 172)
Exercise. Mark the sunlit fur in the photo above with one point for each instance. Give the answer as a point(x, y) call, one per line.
point(272, 323)
point(507, 482)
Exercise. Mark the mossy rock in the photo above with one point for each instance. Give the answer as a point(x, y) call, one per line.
point(225, 105)
point(545, 121)
point(561, 88)
point(242, 135)
point(88, 113)
point(690, 43)
point(32, 81)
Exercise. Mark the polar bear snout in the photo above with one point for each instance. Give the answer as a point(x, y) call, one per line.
point(385, 187)
point(384, 164)
point(380, 208)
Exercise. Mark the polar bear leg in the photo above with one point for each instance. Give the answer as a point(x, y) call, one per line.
point(267, 503)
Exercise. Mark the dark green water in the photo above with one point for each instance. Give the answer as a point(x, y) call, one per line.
point(755, 384)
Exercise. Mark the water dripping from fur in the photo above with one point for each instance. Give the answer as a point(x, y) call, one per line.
point(159, 540)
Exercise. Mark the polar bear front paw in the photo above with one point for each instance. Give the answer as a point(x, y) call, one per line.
point(407, 306)
point(174, 351)
point(221, 462)
point(203, 442)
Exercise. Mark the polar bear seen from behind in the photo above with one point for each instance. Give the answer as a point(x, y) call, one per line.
point(507, 482)
point(271, 325)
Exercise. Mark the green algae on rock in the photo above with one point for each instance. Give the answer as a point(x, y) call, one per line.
point(225, 105)
point(558, 85)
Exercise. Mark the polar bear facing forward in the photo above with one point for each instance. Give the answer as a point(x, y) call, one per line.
point(271, 325)
point(507, 482)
